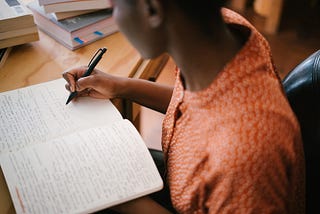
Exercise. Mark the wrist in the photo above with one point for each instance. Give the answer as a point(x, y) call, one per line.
point(122, 88)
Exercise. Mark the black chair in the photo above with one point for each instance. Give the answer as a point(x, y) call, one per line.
point(302, 86)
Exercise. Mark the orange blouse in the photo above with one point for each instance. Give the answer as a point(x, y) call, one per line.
point(235, 147)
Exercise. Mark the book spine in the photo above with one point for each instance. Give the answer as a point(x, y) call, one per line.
point(19, 40)
point(46, 2)
point(18, 32)
point(75, 6)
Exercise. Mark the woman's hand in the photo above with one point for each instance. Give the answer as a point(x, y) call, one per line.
point(105, 86)
point(97, 85)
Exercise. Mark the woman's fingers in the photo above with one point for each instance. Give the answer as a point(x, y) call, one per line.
point(89, 92)
point(97, 85)
point(86, 82)
point(67, 86)
point(72, 75)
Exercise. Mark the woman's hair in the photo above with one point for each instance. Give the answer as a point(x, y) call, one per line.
point(202, 12)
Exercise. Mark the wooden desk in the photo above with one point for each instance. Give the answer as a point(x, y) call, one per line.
point(46, 59)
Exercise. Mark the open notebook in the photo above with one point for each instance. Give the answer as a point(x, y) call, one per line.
point(75, 158)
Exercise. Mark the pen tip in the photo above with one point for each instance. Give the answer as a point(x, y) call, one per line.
point(71, 96)
point(68, 101)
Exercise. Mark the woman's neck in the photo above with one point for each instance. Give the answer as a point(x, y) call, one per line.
point(201, 56)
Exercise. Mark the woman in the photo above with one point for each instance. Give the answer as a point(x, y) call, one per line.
point(231, 143)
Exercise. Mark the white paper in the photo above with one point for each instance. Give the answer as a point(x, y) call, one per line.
point(82, 172)
point(38, 113)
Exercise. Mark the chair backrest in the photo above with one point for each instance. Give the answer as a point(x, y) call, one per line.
point(302, 86)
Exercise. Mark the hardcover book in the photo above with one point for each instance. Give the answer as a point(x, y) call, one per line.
point(18, 32)
point(64, 15)
point(14, 15)
point(19, 40)
point(53, 6)
point(16, 24)
point(44, 2)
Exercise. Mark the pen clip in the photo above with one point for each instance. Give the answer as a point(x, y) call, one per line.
point(96, 54)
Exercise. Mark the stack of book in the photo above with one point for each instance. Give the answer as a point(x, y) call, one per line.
point(74, 23)
point(16, 24)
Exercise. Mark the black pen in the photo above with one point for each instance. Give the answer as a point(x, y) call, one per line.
point(92, 64)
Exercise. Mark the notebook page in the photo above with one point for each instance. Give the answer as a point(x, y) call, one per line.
point(83, 172)
point(38, 113)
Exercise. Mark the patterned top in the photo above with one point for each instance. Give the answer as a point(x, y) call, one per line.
point(235, 147)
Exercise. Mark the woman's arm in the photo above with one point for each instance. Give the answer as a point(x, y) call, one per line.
point(150, 94)
point(106, 86)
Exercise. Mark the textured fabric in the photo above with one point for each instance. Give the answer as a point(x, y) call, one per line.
point(235, 147)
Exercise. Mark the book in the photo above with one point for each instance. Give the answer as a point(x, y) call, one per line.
point(75, 5)
point(18, 40)
point(17, 25)
point(78, 31)
point(64, 15)
point(44, 2)
point(4, 53)
point(75, 158)
point(14, 15)
point(18, 32)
